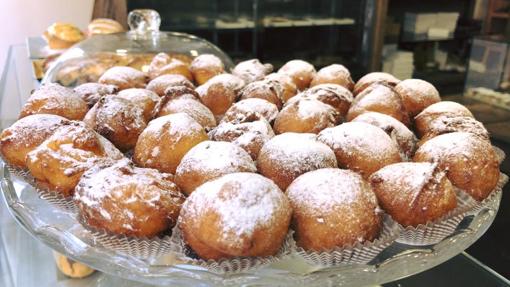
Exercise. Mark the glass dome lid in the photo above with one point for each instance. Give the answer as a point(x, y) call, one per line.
point(89, 59)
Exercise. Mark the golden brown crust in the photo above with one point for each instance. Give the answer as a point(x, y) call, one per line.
point(161, 83)
point(270, 91)
point(92, 92)
point(123, 77)
point(423, 121)
point(252, 70)
point(451, 123)
point(163, 64)
point(147, 100)
point(206, 66)
point(193, 108)
point(306, 116)
point(416, 95)
point(217, 95)
point(372, 78)
point(333, 74)
point(62, 35)
point(289, 89)
point(251, 110)
point(332, 94)
point(101, 26)
point(300, 71)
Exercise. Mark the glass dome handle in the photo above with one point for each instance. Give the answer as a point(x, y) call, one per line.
point(143, 21)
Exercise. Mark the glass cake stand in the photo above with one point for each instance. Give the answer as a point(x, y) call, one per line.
point(58, 228)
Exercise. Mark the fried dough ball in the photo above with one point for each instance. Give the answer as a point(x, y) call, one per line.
point(252, 70)
point(268, 90)
point(361, 147)
point(300, 71)
point(61, 159)
point(332, 94)
point(449, 124)
point(193, 108)
point(163, 64)
point(218, 94)
point(117, 119)
point(123, 78)
point(424, 119)
point(206, 66)
point(209, 160)
point(414, 193)
point(92, 92)
point(306, 116)
point(416, 95)
point(166, 140)
point(128, 200)
point(56, 100)
point(379, 98)
point(159, 84)
point(471, 162)
point(333, 74)
point(398, 132)
point(250, 136)
point(287, 156)
point(25, 135)
point(289, 89)
point(145, 99)
point(251, 109)
point(333, 208)
point(175, 92)
point(375, 77)
point(238, 214)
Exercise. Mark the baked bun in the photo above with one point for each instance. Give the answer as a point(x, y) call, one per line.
point(360, 147)
point(268, 90)
point(289, 89)
point(159, 84)
point(193, 108)
point(287, 156)
point(205, 67)
point(398, 132)
point(306, 116)
point(117, 119)
point(128, 200)
point(166, 140)
point(145, 99)
point(417, 95)
point(218, 94)
point(470, 161)
point(238, 214)
point(414, 193)
point(62, 35)
point(174, 92)
point(92, 92)
point(102, 26)
point(333, 74)
point(163, 64)
point(59, 162)
point(375, 77)
point(252, 70)
point(250, 136)
point(300, 71)
point(449, 124)
point(379, 98)
point(56, 100)
point(25, 135)
point(251, 109)
point(333, 208)
point(209, 160)
point(424, 119)
point(123, 78)
point(332, 94)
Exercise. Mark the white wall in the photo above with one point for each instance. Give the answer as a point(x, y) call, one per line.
point(23, 18)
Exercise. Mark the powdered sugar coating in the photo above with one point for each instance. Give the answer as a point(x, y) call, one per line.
point(374, 77)
point(145, 99)
point(123, 77)
point(161, 83)
point(163, 64)
point(334, 95)
point(423, 120)
point(252, 70)
point(206, 61)
point(300, 71)
point(193, 108)
point(416, 95)
point(250, 109)
point(289, 89)
point(92, 92)
point(305, 115)
point(264, 89)
point(333, 74)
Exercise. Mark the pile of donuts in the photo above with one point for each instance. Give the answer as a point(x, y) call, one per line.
point(235, 159)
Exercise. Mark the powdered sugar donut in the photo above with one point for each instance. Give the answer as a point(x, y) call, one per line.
point(333, 74)
point(166, 140)
point(268, 90)
point(289, 89)
point(424, 119)
point(250, 136)
point(219, 93)
point(252, 70)
point(193, 108)
point(160, 84)
point(56, 100)
point(145, 99)
point(128, 200)
point(334, 95)
point(250, 110)
point(306, 116)
point(289, 155)
point(208, 160)
point(416, 95)
point(414, 193)
point(360, 147)
point(238, 214)
point(449, 124)
point(123, 77)
point(470, 160)
point(25, 135)
point(403, 137)
point(206, 66)
point(333, 208)
point(163, 64)
point(92, 92)
point(300, 71)
point(375, 77)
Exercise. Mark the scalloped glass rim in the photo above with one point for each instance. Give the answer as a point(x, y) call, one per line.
point(50, 225)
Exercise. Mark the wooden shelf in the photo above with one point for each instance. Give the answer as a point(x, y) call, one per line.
point(500, 15)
